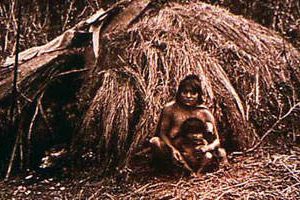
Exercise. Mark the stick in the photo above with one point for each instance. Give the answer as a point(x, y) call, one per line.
point(21, 150)
point(272, 128)
point(12, 158)
point(68, 15)
point(14, 94)
point(16, 66)
point(29, 135)
point(44, 116)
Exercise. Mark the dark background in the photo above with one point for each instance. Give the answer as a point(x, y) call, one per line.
point(43, 20)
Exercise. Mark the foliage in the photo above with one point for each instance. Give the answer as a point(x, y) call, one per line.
point(280, 15)
point(41, 20)
point(44, 20)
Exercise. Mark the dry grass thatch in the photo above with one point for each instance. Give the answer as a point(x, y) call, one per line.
point(250, 75)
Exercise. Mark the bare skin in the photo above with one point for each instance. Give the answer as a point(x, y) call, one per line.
point(175, 114)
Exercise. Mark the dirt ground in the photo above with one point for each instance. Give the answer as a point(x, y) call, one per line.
point(267, 174)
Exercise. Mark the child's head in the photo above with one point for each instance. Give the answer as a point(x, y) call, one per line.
point(193, 126)
point(189, 91)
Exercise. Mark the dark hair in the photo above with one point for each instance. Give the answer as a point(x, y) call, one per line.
point(192, 82)
point(192, 126)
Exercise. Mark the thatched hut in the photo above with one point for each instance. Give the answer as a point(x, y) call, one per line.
point(250, 75)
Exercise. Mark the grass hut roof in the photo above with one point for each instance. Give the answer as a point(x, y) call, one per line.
point(249, 74)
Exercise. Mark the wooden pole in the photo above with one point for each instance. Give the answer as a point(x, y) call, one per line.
point(14, 105)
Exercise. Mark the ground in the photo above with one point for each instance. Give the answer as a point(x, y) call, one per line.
point(265, 174)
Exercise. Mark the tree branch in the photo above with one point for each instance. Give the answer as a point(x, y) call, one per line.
point(273, 127)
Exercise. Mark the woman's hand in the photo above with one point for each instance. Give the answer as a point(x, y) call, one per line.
point(176, 154)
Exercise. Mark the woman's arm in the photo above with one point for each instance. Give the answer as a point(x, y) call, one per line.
point(165, 128)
